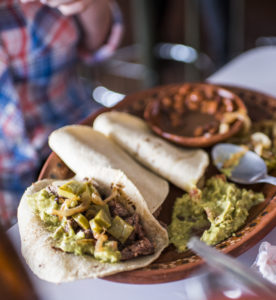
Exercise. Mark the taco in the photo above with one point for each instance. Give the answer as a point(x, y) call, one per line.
point(82, 148)
point(182, 167)
point(86, 229)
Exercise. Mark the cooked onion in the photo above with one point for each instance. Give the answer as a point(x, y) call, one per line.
point(230, 117)
point(112, 195)
point(99, 244)
point(72, 211)
point(96, 199)
point(85, 241)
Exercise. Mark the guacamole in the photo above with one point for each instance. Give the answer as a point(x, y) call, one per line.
point(82, 223)
point(221, 210)
point(188, 218)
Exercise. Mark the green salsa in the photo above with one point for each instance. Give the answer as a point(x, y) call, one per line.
point(221, 210)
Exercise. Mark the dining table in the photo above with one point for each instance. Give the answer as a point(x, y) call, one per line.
point(254, 69)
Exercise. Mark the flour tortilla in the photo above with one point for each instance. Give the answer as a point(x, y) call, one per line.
point(183, 167)
point(82, 148)
point(57, 266)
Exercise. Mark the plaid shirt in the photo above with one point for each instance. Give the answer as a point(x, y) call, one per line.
point(39, 89)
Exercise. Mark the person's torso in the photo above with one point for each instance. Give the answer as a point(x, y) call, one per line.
point(41, 45)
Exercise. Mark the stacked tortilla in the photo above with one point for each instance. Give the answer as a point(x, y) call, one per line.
point(82, 149)
point(106, 157)
point(182, 167)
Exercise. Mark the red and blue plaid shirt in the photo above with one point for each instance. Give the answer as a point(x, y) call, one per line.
point(39, 89)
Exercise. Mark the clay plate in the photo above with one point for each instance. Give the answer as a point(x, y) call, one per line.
point(171, 266)
point(176, 115)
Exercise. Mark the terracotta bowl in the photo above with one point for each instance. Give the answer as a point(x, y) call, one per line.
point(171, 265)
point(191, 115)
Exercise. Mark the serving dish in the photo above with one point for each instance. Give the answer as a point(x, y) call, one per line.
point(171, 265)
point(196, 114)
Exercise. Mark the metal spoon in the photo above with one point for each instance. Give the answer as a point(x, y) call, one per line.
point(251, 168)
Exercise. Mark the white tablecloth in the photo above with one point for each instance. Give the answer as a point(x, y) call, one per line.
point(254, 69)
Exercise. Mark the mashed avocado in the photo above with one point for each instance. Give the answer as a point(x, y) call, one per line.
point(188, 218)
point(221, 210)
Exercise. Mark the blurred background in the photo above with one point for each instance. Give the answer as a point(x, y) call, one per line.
point(170, 41)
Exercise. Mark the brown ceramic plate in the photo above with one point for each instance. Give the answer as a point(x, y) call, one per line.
point(191, 115)
point(171, 265)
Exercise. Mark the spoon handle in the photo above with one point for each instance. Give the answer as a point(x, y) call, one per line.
point(268, 179)
point(250, 279)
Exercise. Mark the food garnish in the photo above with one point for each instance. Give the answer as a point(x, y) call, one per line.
point(234, 159)
point(261, 138)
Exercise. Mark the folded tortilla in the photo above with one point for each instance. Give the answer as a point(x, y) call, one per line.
point(82, 148)
point(57, 266)
point(180, 166)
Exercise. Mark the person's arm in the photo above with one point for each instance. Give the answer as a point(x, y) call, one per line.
point(96, 23)
point(94, 15)
point(101, 25)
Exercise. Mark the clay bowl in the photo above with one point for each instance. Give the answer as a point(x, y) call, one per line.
point(171, 265)
point(191, 116)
